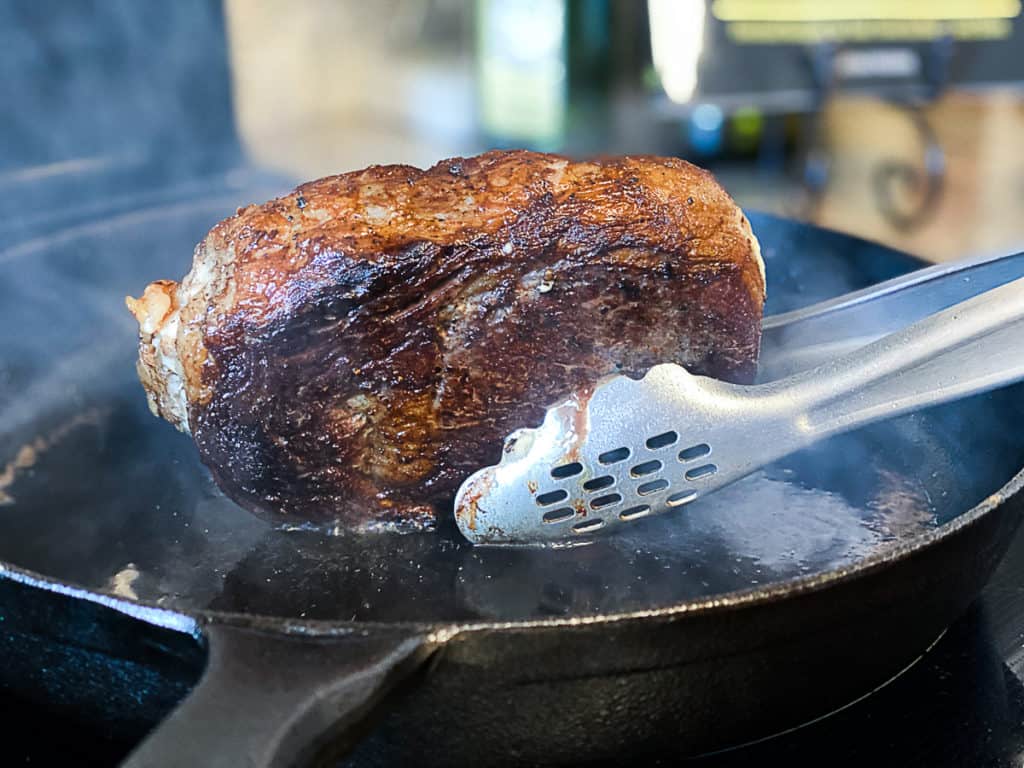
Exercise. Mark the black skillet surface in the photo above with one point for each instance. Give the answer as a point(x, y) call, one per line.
point(723, 624)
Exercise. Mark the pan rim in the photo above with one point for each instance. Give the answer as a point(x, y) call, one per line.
point(191, 620)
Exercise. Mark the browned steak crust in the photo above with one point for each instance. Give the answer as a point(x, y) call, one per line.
point(351, 351)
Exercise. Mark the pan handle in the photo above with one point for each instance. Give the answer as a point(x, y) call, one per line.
point(274, 699)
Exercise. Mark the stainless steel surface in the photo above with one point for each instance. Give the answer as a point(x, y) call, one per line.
point(636, 448)
point(804, 338)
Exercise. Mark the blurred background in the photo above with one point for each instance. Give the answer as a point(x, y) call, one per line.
point(897, 120)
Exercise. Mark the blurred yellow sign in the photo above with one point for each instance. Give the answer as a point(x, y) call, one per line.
point(851, 10)
point(867, 30)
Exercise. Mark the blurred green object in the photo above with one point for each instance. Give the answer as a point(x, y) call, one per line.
point(521, 72)
point(745, 128)
point(543, 70)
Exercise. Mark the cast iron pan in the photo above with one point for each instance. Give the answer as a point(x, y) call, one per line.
point(770, 604)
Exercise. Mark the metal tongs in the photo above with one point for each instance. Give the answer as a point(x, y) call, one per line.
point(631, 448)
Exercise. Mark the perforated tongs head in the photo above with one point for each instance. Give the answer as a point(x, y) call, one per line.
point(598, 460)
point(634, 448)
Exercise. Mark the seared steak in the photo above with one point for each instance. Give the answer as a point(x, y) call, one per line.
point(350, 352)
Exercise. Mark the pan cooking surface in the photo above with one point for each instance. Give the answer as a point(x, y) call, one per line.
point(96, 491)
